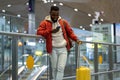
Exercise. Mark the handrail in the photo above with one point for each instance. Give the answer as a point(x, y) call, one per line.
point(105, 72)
point(105, 43)
point(19, 34)
point(34, 35)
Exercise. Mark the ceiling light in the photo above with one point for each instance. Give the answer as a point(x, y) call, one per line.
point(45, 1)
point(3, 10)
point(81, 26)
point(4, 17)
point(75, 9)
point(101, 20)
point(48, 1)
point(9, 5)
point(83, 29)
point(18, 15)
point(61, 4)
point(52, 0)
point(8, 22)
point(90, 25)
point(54, 4)
point(27, 3)
point(89, 15)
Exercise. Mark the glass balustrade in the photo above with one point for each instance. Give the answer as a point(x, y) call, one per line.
point(17, 47)
point(15, 51)
point(101, 59)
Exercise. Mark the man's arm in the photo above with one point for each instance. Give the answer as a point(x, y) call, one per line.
point(71, 33)
point(43, 30)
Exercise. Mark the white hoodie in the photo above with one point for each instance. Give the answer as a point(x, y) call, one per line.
point(57, 38)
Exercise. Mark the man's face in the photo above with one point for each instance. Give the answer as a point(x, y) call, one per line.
point(54, 15)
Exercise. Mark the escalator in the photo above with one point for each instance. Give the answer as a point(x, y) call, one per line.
point(6, 75)
point(36, 72)
point(25, 75)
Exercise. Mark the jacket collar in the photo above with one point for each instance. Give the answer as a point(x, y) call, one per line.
point(48, 18)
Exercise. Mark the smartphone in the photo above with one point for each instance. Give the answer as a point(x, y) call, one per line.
point(58, 27)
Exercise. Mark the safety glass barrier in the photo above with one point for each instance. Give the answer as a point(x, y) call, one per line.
point(19, 49)
point(10, 23)
point(99, 58)
point(70, 69)
point(23, 57)
point(5, 57)
point(87, 56)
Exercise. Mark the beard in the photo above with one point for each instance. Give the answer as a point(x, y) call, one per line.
point(54, 20)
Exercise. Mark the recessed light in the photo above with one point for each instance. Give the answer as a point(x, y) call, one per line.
point(90, 25)
point(4, 17)
point(52, 0)
point(83, 29)
point(48, 0)
point(18, 15)
point(45, 1)
point(81, 26)
point(8, 22)
point(89, 14)
point(27, 3)
point(75, 9)
point(54, 4)
point(3, 10)
point(101, 20)
point(9, 5)
point(61, 4)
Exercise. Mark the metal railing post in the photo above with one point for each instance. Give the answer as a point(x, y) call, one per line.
point(14, 58)
point(110, 60)
point(23, 58)
point(96, 60)
point(2, 53)
point(77, 53)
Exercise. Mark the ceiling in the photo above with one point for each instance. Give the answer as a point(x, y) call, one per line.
point(109, 10)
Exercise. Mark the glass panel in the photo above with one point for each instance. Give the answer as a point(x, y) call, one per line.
point(35, 48)
point(26, 47)
point(116, 75)
point(87, 58)
point(10, 23)
point(70, 69)
point(103, 53)
point(5, 57)
point(87, 55)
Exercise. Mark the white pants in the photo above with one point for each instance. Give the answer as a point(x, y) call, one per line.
point(58, 62)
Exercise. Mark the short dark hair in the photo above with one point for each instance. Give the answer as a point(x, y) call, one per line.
point(55, 8)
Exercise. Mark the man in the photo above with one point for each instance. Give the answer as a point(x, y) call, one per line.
point(56, 31)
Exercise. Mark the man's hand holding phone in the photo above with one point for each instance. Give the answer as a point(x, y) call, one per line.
point(56, 30)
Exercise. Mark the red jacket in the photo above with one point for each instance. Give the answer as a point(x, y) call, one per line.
point(45, 29)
